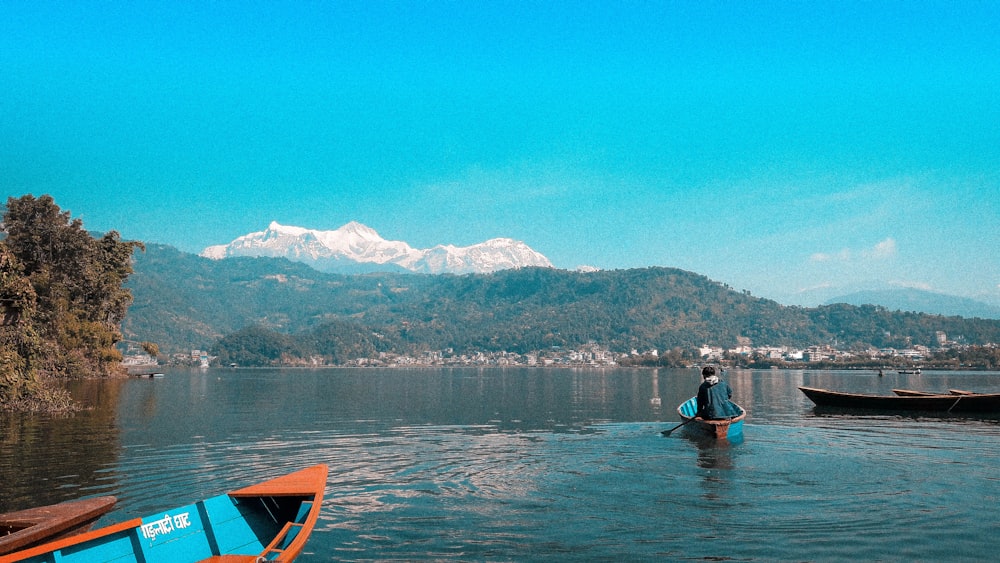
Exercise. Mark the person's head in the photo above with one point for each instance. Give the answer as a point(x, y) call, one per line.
point(707, 371)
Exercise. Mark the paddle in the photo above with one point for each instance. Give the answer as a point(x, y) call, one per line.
point(667, 432)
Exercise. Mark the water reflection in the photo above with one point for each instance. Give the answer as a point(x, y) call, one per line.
point(655, 399)
point(45, 459)
point(716, 454)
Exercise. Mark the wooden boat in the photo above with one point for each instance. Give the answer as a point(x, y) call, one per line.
point(270, 521)
point(726, 428)
point(33, 526)
point(979, 402)
point(149, 374)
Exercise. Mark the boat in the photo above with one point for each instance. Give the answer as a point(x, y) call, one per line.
point(269, 521)
point(914, 371)
point(33, 526)
point(721, 429)
point(978, 402)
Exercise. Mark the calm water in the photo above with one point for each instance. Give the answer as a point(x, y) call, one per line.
point(534, 464)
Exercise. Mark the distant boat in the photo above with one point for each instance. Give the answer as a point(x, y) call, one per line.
point(720, 429)
point(913, 401)
point(914, 371)
point(270, 521)
point(33, 526)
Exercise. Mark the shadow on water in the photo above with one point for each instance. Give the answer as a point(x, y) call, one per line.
point(45, 459)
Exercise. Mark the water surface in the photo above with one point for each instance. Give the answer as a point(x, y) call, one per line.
point(535, 464)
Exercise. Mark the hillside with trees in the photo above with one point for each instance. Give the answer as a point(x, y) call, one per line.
point(258, 311)
point(62, 302)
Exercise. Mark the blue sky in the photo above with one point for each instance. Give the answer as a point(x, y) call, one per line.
point(778, 147)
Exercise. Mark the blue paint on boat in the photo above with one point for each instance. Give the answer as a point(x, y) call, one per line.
point(689, 409)
point(256, 525)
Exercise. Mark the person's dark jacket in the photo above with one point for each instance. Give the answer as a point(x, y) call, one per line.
point(713, 399)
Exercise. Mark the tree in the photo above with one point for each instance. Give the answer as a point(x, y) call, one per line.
point(151, 348)
point(62, 290)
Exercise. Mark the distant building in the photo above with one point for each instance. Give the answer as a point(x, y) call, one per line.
point(139, 360)
point(710, 352)
point(819, 354)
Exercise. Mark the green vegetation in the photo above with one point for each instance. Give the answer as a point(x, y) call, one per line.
point(263, 311)
point(62, 302)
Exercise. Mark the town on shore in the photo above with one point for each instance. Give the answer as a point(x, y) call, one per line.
point(946, 355)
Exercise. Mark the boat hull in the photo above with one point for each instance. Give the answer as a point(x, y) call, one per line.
point(264, 522)
point(722, 429)
point(909, 401)
point(26, 528)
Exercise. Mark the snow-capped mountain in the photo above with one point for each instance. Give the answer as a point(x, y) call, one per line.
point(356, 247)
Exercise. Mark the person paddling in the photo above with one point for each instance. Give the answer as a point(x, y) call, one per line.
point(713, 397)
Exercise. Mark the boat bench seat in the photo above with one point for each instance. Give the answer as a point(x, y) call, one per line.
point(273, 550)
point(231, 531)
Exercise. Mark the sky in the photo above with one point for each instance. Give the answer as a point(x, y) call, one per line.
point(796, 150)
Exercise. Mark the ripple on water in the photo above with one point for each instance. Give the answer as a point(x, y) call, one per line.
point(405, 486)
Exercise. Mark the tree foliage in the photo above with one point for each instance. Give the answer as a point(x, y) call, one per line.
point(151, 348)
point(62, 297)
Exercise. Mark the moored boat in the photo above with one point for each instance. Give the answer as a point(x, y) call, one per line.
point(721, 429)
point(151, 375)
point(269, 521)
point(33, 526)
point(977, 402)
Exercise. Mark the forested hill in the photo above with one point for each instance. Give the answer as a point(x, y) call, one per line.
point(183, 301)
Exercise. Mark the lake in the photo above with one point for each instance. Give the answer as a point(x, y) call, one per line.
point(534, 464)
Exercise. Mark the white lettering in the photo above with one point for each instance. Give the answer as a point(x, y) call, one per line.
point(181, 521)
point(165, 525)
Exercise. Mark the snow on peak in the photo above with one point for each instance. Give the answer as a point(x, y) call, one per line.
point(355, 244)
point(275, 227)
point(359, 229)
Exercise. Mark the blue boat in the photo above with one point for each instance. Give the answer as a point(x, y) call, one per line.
point(269, 521)
point(720, 429)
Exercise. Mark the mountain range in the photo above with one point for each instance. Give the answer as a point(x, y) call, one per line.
point(356, 248)
point(184, 301)
point(909, 299)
